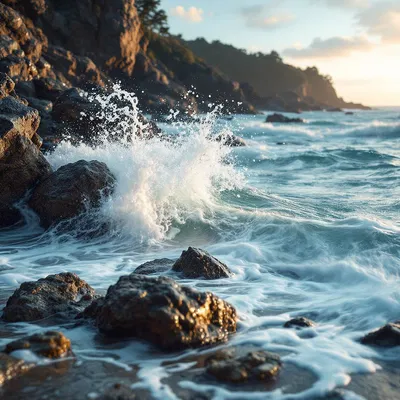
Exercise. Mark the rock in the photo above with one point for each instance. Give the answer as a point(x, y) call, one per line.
point(165, 313)
point(387, 336)
point(155, 267)
point(70, 190)
point(118, 392)
point(43, 106)
point(299, 322)
point(231, 140)
point(49, 88)
point(197, 263)
point(7, 85)
point(227, 366)
point(48, 344)
point(334, 109)
point(22, 166)
point(9, 216)
point(11, 367)
point(63, 293)
point(349, 113)
point(16, 119)
point(279, 118)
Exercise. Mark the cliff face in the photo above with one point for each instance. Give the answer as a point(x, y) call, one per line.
point(270, 76)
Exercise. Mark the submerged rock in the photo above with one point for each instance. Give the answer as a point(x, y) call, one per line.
point(63, 293)
point(49, 344)
point(70, 190)
point(387, 336)
point(299, 322)
point(279, 118)
point(11, 367)
point(197, 263)
point(163, 312)
point(118, 392)
point(154, 267)
point(227, 366)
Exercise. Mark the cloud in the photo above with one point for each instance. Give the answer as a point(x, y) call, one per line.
point(332, 47)
point(257, 17)
point(383, 20)
point(192, 14)
point(345, 3)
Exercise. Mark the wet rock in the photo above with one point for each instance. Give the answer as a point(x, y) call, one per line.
point(165, 313)
point(279, 118)
point(63, 293)
point(11, 367)
point(197, 263)
point(43, 106)
point(227, 366)
point(118, 392)
point(349, 113)
point(155, 267)
point(70, 190)
point(299, 322)
point(231, 140)
point(49, 344)
point(21, 167)
point(9, 216)
point(387, 336)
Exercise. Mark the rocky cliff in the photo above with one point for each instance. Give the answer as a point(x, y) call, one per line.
point(278, 85)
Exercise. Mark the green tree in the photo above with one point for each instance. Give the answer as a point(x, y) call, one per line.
point(153, 18)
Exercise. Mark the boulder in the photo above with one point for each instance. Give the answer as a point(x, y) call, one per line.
point(279, 118)
point(16, 119)
point(22, 166)
point(155, 267)
point(349, 113)
point(299, 322)
point(63, 293)
point(231, 140)
point(11, 367)
point(197, 263)
point(49, 88)
point(48, 344)
point(71, 190)
point(387, 336)
point(228, 366)
point(7, 85)
point(163, 312)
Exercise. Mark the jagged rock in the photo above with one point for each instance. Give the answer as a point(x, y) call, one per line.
point(299, 322)
point(77, 69)
point(7, 85)
point(155, 267)
point(48, 344)
point(63, 293)
point(30, 40)
point(11, 367)
point(387, 336)
point(18, 68)
point(16, 119)
point(70, 190)
point(197, 263)
point(165, 313)
point(49, 88)
point(43, 106)
point(279, 118)
point(227, 366)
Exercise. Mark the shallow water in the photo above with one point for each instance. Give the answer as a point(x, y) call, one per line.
point(307, 216)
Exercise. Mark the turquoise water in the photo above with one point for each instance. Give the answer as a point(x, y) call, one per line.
point(307, 217)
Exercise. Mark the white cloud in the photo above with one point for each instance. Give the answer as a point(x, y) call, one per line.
point(345, 3)
point(383, 20)
point(257, 17)
point(332, 47)
point(192, 14)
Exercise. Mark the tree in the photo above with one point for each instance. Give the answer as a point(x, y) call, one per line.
point(153, 18)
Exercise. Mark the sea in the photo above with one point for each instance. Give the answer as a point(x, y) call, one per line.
point(307, 216)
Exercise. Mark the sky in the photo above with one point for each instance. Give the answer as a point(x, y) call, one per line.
point(357, 42)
